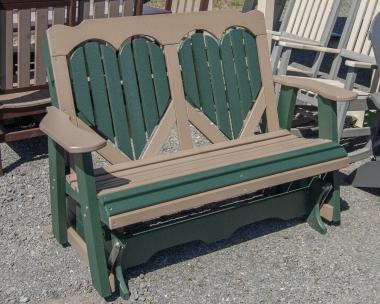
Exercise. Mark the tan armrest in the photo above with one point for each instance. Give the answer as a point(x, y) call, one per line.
point(57, 125)
point(360, 64)
point(308, 47)
point(322, 89)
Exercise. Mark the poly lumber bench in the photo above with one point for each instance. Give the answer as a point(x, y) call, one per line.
point(120, 86)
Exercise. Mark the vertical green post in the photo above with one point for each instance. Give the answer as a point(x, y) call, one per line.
point(57, 191)
point(328, 129)
point(91, 224)
point(286, 106)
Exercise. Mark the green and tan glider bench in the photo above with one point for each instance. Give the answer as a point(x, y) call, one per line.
point(120, 86)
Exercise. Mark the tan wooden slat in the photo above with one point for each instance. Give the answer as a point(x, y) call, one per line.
point(195, 151)
point(41, 27)
point(204, 198)
point(83, 10)
point(204, 124)
point(174, 7)
point(267, 82)
point(128, 8)
point(58, 15)
point(181, 6)
point(199, 163)
point(23, 50)
point(189, 6)
point(113, 8)
point(254, 116)
point(99, 8)
point(6, 49)
point(178, 96)
point(160, 134)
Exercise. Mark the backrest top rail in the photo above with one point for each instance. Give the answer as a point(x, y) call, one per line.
point(166, 29)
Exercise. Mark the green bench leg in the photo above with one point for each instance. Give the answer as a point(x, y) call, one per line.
point(57, 191)
point(92, 225)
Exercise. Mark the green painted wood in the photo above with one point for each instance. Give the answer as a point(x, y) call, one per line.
point(203, 76)
point(116, 100)
point(100, 101)
point(188, 73)
point(57, 191)
point(166, 190)
point(216, 225)
point(328, 128)
point(132, 98)
point(144, 76)
point(241, 69)
point(218, 86)
point(231, 85)
point(286, 106)
point(91, 224)
point(78, 75)
point(253, 64)
point(160, 78)
point(327, 119)
point(50, 74)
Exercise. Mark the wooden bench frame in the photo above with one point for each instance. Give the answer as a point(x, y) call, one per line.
point(308, 188)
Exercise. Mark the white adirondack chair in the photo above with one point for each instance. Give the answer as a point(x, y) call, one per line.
point(305, 23)
point(355, 51)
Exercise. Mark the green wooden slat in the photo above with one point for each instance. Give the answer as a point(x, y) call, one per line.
point(218, 87)
point(166, 190)
point(78, 75)
point(241, 70)
point(160, 78)
point(144, 76)
point(203, 77)
point(253, 64)
point(132, 98)
point(188, 74)
point(116, 100)
point(231, 85)
point(100, 101)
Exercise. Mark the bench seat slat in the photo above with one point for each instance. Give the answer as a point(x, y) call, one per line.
point(216, 195)
point(166, 189)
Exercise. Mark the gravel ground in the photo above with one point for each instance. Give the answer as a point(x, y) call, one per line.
point(269, 262)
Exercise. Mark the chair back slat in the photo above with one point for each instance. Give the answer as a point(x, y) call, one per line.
point(183, 6)
point(309, 19)
point(358, 40)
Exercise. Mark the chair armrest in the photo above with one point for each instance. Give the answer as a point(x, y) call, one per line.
point(308, 47)
point(57, 125)
point(322, 89)
point(360, 64)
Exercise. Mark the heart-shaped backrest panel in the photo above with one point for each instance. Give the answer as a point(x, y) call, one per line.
point(222, 78)
point(122, 94)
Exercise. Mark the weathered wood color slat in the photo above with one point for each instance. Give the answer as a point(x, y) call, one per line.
point(23, 50)
point(6, 50)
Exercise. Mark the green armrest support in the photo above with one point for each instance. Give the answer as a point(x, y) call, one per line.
point(57, 125)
